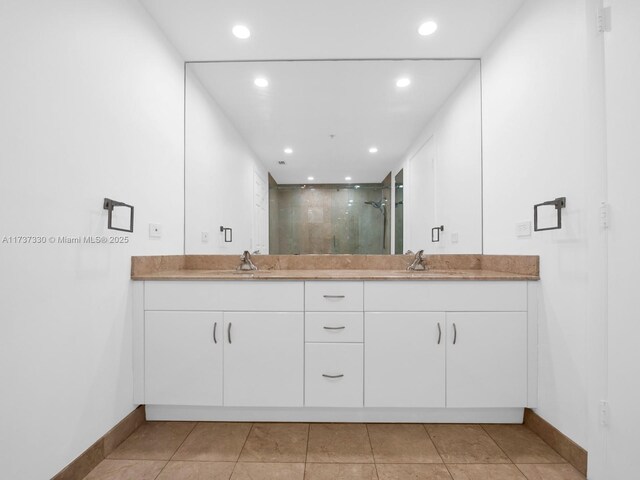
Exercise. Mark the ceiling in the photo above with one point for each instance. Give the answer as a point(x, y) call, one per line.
point(330, 29)
point(288, 29)
point(331, 113)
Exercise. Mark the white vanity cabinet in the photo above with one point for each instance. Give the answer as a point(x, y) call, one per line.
point(358, 350)
point(404, 359)
point(486, 359)
point(263, 359)
point(333, 349)
point(183, 358)
point(237, 344)
point(447, 344)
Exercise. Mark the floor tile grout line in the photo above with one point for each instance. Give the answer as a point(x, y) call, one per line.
point(496, 442)
point(520, 470)
point(240, 453)
point(183, 440)
point(537, 436)
point(162, 469)
point(424, 425)
point(306, 452)
point(373, 454)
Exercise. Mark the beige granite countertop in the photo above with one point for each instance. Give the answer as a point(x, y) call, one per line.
point(333, 275)
point(336, 267)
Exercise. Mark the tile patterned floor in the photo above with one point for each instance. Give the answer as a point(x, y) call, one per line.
point(332, 451)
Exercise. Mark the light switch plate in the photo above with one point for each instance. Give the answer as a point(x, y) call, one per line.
point(155, 230)
point(523, 229)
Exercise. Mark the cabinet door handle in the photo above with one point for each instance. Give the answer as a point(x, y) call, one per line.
point(334, 328)
point(229, 333)
point(333, 296)
point(455, 334)
point(332, 376)
point(439, 333)
point(215, 327)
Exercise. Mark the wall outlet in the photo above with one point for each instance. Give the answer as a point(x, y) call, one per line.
point(603, 19)
point(523, 229)
point(454, 237)
point(604, 215)
point(204, 236)
point(604, 413)
point(155, 230)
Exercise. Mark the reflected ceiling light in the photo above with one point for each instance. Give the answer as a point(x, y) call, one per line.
point(241, 31)
point(261, 82)
point(288, 150)
point(310, 178)
point(428, 28)
point(373, 150)
point(348, 179)
point(403, 82)
point(357, 186)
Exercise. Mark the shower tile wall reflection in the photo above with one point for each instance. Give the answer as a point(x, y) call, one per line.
point(330, 219)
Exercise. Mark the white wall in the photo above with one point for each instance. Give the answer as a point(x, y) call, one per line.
point(219, 186)
point(623, 142)
point(542, 141)
point(92, 107)
point(452, 140)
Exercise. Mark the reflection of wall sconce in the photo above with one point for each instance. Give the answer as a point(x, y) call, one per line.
point(226, 230)
point(109, 204)
point(435, 233)
point(559, 203)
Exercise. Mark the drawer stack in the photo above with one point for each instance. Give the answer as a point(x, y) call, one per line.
point(334, 353)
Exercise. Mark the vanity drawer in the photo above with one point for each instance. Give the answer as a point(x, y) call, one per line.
point(334, 375)
point(333, 327)
point(224, 296)
point(333, 296)
point(442, 296)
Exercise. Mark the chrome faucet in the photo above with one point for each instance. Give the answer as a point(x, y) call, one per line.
point(418, 262)
point(246, 263)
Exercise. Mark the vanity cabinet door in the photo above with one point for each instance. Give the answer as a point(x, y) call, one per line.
point(263, 359)
point(404, 359)
point(183, 358)
point(487, 364)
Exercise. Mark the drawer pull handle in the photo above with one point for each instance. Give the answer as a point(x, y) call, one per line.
point(334, 328)
point(333, 296)
point(229, 333)
point(332, 376)
point(215, 327)
point(455, 334)
point(439, 333)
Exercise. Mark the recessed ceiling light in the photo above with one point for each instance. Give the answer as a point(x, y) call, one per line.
point(261, 82)
point(403, 82)
point(373, 150)
point(428, 28)
point(241, 31)
point(288, 150)
point(310, 178)
point(348, 179)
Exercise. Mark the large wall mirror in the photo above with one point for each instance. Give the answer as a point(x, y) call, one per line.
point(335, 156)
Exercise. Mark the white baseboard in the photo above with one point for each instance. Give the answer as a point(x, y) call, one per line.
point(349, 415)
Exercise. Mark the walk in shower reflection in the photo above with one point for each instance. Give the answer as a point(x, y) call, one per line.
point(332, 219)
